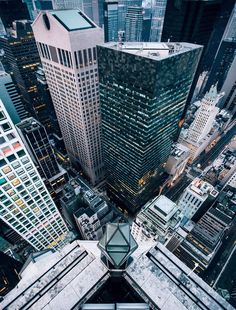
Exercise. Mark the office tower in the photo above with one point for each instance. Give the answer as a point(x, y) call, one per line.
point(25, 204)
point(229, 88)
point(147, 20)
point(11, 99)
point(23, 59)
point(111, 20)
point(157, 21)
point(11, 10)
point(77, 278)
point(30, 7)
point(70, 65)
point(139, 85)
point(46, 112)
point(36, 140)
point(134, 24)
point(35, 6)
point(201, 22)
point(122, 11)
point(222, 63)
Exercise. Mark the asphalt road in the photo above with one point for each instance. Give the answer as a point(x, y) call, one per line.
point(215, 267)
point(175, 191)
point(206, 158)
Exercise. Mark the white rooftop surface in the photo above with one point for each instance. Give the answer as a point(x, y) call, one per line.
point(164, 204)
point(153, 50)
point(163, 278)
point(59, 281)
point(76, 271)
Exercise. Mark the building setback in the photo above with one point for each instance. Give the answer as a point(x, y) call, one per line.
point(67, 45)
point(139, 84)
point(25, 204)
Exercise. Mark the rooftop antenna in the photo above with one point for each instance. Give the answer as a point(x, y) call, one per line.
point(120, 39)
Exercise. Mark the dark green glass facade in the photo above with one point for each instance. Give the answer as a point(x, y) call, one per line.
point(142, 102)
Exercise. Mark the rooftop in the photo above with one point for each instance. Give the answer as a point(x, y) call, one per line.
point(73, 20)
point(66, 279)
point(29, 124)
point(152, 50)
point(163, 205)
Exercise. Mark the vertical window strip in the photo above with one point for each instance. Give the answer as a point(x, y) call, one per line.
point(70, 60)
point(76, 60)
point(90, 56)
point(60, 56)
point(85, 58)
point(80, 59)
point(94, 54)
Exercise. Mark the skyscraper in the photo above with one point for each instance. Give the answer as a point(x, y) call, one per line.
point(143, 91)
point(11, 98)
point(25, 203)
point(111, 20)
point(11, 10)
point(157, 21)
point(122, 11)
point(67, 45)
point(23, 59)
point(36, 141)
point(46, 113)
point(222, 63)
point(202, 22)
point(134, 24)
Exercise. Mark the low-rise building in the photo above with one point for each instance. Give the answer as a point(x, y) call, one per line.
point(204, 240)
point(223, 168)
point(85, 211)
point(156, 219)
point(194, 196)
point(177, 161)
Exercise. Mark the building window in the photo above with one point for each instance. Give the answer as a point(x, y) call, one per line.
point(2, 115)
point(6, 127)
point(11, 158)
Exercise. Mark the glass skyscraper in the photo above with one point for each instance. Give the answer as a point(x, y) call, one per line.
point(158, 14)
point(111, 20)
point(143, 91)
point(25, 204)
point(134, 24)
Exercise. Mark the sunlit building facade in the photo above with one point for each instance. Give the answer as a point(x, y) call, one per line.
point(25, 204)
point(67, 41)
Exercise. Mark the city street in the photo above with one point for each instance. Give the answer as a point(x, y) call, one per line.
point(206, 158)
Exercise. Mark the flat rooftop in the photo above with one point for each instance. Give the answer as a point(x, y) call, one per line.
point(73, 20)
point(170, 284)
point(29, 124)
point(153, 50)
point(66, 279)
point(163, 205)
